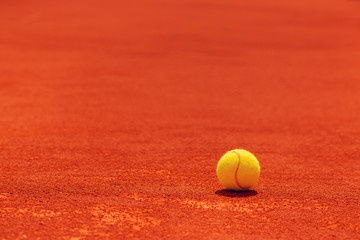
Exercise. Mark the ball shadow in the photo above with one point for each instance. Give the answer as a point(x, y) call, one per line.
point(236, 194)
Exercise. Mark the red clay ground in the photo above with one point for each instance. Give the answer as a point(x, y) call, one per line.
point(115, 113)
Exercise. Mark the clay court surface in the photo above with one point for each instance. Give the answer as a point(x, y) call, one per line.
point(114, 114)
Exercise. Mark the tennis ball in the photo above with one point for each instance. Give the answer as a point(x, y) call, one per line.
point(238, 170)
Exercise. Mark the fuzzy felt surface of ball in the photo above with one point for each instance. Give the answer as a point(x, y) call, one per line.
point(238, 170)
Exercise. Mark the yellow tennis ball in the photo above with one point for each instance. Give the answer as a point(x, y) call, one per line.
point(238, 170)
